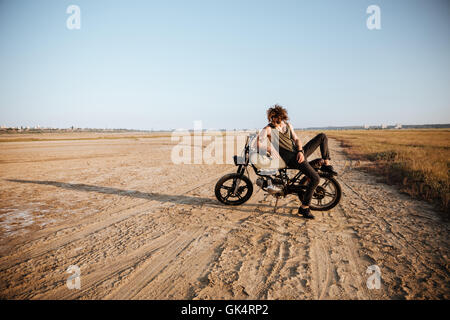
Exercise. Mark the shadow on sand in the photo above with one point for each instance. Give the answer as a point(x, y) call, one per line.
point(163, 198)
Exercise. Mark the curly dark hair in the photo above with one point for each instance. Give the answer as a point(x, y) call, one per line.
point(277, 111)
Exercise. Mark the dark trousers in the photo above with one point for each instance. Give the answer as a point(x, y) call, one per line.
point(290, 158)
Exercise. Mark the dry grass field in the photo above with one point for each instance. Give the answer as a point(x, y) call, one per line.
point(417, 160)
point(139, 226)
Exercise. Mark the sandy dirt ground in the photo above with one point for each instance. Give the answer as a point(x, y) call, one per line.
point(140, 227)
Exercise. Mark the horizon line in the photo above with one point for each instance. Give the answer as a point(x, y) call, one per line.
point(73, 128)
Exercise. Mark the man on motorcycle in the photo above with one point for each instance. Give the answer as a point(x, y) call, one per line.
point(284, 143)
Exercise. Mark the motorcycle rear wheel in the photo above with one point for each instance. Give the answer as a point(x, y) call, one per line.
point(327, 194)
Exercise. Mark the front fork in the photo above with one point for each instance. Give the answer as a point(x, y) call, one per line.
point(237, 181)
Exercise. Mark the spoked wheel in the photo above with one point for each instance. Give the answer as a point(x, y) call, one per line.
point(327, 194)
point(233, 189)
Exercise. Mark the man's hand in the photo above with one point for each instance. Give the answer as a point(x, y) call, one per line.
point(300, 157)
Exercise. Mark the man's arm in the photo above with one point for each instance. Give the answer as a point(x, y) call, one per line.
point(265, 141)
point(296, 139)
point(298, 144)
point(264, 138)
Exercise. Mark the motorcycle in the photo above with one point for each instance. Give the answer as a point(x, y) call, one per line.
point(272, 177)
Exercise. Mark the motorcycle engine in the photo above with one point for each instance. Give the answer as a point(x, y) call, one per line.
point(261, 182)
point(274, 187)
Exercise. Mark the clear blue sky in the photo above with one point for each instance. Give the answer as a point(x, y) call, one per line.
point(163, 64)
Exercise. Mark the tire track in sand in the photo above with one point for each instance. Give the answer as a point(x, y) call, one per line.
point(88, 226)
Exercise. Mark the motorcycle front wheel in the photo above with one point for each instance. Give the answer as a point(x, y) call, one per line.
point(233, 189)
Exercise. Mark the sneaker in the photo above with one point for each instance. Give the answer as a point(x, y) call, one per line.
point(306, 213)
point(328, 169)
